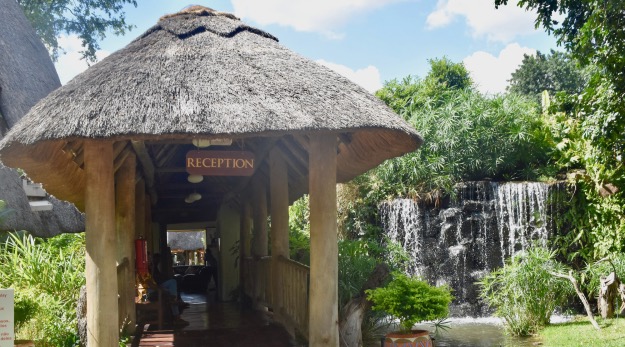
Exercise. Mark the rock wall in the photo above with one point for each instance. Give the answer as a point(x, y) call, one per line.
point(472, 232)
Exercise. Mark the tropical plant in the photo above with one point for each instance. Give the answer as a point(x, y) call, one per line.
point(524, 292)
point(50, 273)
point(411, 300)
point(356, 263)
point(299, 230)
point(592, 33)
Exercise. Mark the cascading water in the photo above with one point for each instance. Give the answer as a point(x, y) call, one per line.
point(460, 242)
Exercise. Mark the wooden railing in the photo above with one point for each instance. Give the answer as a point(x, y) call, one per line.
point(291, 304)
point(294, 285)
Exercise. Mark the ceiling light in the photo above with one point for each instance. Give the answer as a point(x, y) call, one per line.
point(195, 178)
point(188, 200)
point(201, 143)
point(195, 196)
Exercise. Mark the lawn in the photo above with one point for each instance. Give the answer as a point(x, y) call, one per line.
point(581, 333)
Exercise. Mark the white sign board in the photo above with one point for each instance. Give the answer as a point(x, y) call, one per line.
point(7, 332)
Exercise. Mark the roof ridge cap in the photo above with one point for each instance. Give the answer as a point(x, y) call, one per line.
point(200, 11)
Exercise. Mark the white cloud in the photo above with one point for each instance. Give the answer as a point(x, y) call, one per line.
point(491, 74)
point(483, 20)
point(323, 16)
point(368, 78)
point(69, 64)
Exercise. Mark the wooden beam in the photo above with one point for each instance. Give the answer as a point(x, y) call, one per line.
point(140, 210)
point(260, 157)
point(244, 243)
point(125, 225)
point(121, 157)
point(279, 193)
point(171, 169)
point(145, 160)
point(149, 232)
point(260, 241)
point(295, 166)
point(101, 269)
point(323, 313)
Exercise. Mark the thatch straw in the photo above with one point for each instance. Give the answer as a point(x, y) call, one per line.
point(205, 74)
point(26, 71)
point(202, 73)
point(26, 75)
point(64, 217)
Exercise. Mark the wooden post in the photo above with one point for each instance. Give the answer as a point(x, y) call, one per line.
point(261, 239)
point(244, 250)
point(125, 218)
point(279, 193)
point(149, 232)
point(101, 270)
point(140, 209)
point(323, 312)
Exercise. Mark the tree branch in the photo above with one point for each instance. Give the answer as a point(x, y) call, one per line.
point(581, 295)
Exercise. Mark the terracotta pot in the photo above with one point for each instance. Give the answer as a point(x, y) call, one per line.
point(24, 343)
point(415, 338)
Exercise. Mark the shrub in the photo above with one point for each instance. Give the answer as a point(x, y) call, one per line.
point(523, 292)
point(50, 273)
point(411, 300)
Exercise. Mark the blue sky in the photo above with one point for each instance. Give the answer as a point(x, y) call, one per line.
point(369, 41)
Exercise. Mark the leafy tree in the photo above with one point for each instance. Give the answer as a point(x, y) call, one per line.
point(593, 33)
point(446, 74)
point(89, 19)
point(554, 72)
point(592, 30)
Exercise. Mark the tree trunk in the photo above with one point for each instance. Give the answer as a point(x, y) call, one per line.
point(352, 314)
point(581, 295)
point(608, 290)
point(621, 292)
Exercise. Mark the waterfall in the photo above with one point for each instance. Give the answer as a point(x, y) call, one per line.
point(471, 234)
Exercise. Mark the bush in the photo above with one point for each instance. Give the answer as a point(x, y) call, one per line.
point(411, 300)
point(524, 293)
point(48, 272)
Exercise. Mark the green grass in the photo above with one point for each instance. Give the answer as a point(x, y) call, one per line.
point(581, 333)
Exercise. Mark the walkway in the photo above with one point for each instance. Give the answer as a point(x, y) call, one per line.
point(216, 324)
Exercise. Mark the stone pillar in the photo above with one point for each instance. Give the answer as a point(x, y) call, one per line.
point(323, 297)
point(101, 269)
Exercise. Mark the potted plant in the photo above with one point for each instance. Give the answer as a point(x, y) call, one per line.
point(410, 300)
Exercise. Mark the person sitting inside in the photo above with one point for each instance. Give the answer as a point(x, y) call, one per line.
point(169, 286)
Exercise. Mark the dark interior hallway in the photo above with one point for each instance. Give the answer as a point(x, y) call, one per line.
point(212, 323)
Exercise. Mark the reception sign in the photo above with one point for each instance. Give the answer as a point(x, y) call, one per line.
point(7, 332)
point(220, 163)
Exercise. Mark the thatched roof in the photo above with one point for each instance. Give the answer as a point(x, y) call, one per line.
point(26, 75)
point(204, 74)
point(26, 71)
point(63, 218)
point(186, 240)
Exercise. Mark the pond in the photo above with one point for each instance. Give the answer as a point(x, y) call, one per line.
point(479, 332)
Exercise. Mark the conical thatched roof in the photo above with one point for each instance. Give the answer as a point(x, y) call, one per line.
point(26, 71)
point(201, 73)
point(26, 75)
point(64, 217)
